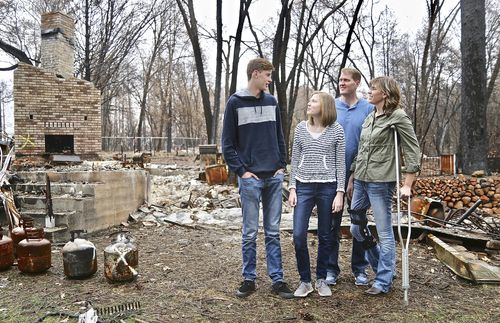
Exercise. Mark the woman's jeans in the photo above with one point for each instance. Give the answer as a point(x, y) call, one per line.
point(309, 195)
point(252, 193)
point(382, 257)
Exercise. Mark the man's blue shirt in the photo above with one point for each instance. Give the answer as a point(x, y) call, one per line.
point(351, 119)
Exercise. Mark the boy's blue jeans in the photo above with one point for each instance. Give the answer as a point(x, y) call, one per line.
point(252, 193)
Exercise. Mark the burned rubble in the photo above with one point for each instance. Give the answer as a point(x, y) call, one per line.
point(183, 205)
point(185, 218)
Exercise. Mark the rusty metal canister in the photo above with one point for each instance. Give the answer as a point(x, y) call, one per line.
point(79, 257)
point(6, 251)
point(19, 233)
point(428, 209)
point(34, 252)
point(121, 259)
point(419, 206)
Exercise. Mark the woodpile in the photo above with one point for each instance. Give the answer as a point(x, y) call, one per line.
point(462, 191)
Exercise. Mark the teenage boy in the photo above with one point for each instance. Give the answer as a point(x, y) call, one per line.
point(254, 149)
point(351, 112)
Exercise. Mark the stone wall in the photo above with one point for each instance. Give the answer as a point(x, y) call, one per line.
point(45, 104)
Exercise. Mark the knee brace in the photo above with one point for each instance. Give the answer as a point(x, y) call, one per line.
point(358, 218)
point(369, 241)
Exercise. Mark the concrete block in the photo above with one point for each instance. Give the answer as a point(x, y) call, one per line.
point(57, 235)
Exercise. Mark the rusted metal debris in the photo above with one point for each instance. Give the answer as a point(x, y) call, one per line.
point(139, 159)
point(216, 174)
point(431, 213)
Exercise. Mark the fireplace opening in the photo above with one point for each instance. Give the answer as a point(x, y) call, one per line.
point(60, 144)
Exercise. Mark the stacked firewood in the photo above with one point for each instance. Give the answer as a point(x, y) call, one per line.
point(462, 191)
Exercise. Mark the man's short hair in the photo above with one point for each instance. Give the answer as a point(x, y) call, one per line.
point(356, 75)
point(258, 64)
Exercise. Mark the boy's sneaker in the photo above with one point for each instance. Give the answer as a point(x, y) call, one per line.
point(281, 289)
point(361, 279)
point(331, 278)
point(322, 288)
point(246, 288)
point(303, 290)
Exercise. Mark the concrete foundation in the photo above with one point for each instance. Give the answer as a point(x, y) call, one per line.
point(87, 200)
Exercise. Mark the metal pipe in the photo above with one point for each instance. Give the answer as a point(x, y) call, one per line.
point(468, 212)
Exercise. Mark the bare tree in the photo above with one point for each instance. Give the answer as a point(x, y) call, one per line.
point(115, 27)
point(20, 30)
point(189, 118)
point(161, 111)
point(305, 32)
point(191, 24)
point(218, 71)
point(436, 35)
point(352, 27)
point(243, 12)
point(493, 69)
point(159, 30)
point(320, 61)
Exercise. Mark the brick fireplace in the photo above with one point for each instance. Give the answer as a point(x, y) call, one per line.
point(54, 112)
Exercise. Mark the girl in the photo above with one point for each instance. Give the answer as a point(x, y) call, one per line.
point(317, 179)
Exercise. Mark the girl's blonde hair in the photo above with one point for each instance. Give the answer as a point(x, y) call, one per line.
point(390, 87)
point(327, 108)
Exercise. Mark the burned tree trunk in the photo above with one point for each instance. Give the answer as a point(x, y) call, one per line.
point(473, 148)
point(191, 24)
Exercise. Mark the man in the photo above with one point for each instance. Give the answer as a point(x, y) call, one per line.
point(351, 112)
point(254, 149)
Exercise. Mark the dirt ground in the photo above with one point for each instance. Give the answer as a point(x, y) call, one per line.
point(191, 274)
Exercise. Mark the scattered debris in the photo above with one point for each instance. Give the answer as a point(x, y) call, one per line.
point(121, 311)
point(464, 263)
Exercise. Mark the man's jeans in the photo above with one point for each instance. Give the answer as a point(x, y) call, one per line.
point(382, 257)
point(269, 192)
point(358, 258)
point(309, 195)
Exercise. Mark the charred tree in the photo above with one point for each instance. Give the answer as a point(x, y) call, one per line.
point(191, 24)
point(218, 71)
point(473, 147)
point(244, 5)
point(347, 47)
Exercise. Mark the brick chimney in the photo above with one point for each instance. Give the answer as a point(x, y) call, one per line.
point(58, 32)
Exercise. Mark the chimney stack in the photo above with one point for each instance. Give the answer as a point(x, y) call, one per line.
point(58, 32)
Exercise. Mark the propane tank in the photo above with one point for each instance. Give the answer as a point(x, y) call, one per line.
point(79, 256)
point(34, 252)
point(6, 251)
point(18, 233)
point(121, 259)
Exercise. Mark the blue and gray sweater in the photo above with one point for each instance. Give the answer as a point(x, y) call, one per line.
point(252, 138)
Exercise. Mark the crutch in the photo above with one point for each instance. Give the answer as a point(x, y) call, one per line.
point(404, 245)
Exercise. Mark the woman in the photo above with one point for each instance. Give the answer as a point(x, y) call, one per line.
point(375, 177)
point(317, 179)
